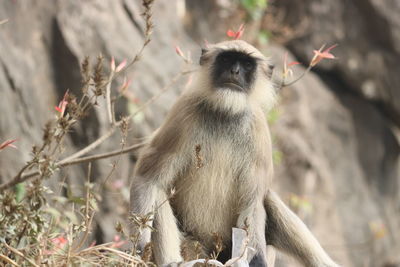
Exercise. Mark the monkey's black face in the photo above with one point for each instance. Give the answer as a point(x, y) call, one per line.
point(234, 70)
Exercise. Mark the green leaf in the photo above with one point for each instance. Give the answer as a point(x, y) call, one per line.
point(77, 200)
point(273, 115)
point(254, 8)
point(72, 217)
point(133, 108)
point(277, 157)
point(20, 191)
point(263, 37)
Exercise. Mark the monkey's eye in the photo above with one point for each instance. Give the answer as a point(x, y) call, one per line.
point(271, 67)
point(248, 65)
point(224, 59)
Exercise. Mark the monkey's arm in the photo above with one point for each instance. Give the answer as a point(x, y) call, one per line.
point(158, 166)
point(149, 194)
point(285, 231)
point(149, 197)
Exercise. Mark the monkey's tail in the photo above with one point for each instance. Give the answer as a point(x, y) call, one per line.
point(285, 231)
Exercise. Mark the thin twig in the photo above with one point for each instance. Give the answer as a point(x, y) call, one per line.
point(3, 21)
point(74, 158)
point(102, 138)
point(88, 217)
point(147, 4)
point(108, 99)
point(163, 90)
point(104, 247)
point(124, 128)
point(90, 147)
point(18, 177)
point(8, 260)
point(298, 78)
point(103, 155)
point(19, 253)
point(65, 162)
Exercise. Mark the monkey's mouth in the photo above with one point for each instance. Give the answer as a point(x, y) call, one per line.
point(233, 86)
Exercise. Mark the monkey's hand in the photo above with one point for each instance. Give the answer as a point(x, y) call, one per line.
point(172, 264)
point(141, 237)
point(332, 264)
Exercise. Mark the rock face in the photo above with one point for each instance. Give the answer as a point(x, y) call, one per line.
point(336, 128)
point(354, 140)
point(339, 152)
point(41, 48)
point(369, 36)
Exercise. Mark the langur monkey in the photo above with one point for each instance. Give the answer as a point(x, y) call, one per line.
point(214, 150)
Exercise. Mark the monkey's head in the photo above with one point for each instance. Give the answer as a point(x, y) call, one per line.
point(234, 75)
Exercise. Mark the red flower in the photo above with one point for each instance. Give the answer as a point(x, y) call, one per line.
point(236, 35)
point(378, 229)
point(92, 244)
point(123, 90)
point(117, 242)
point(60, 241)
point(8, 143)
point(112, 64)
point(180, 53)
point(62, 105)
point(178, 50)
point(119, 67)
point(293, 63)
point(206, 44)
point(125, 85)
point(286, 67)
point(117, 184)
point(320, 55)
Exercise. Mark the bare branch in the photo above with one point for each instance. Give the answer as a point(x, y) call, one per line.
point(90, 147)
point(19, 253)
point(22, 178)
point(3, 21)
point(298, 78)
point(103, 156)
point(108, 99)
point(8, 260)
point(77, 157)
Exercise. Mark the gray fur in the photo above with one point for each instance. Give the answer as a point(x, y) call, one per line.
point(230, 189)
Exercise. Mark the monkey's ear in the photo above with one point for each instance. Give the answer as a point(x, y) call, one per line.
point(203, 57)
point(269, 69)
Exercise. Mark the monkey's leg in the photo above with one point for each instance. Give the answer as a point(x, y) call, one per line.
point(285, 231)
point(254, 219)
point(167, 237)
point(148, 197)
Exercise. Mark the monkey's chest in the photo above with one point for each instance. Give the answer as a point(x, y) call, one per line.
point(209, 192)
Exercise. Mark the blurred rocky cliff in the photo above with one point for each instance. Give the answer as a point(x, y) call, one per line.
point(335, 132)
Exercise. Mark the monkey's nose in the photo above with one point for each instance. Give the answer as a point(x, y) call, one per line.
point(235, 69)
